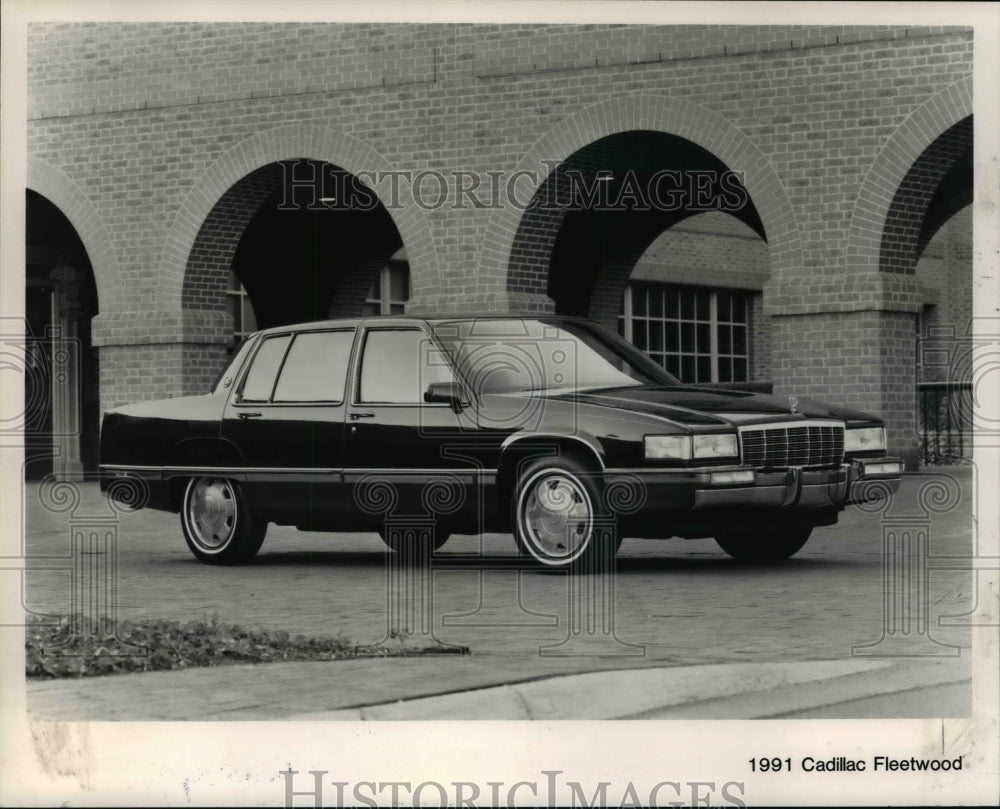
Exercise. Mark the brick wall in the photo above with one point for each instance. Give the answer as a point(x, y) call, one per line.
point(208, 265)
point(853, 358)
point(129, 371)
point(150, 125)
point(959, 260)
point(87, 68)
point(761, 341)
point(712, 249)
point(944, 271)
point(165, 101)
point(901, 237)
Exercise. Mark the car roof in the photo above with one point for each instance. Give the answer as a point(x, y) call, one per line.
point(430, 318)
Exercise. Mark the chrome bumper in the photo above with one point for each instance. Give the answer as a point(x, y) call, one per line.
point(797, 488)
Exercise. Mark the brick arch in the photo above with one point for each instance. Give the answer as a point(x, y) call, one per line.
point(903, 234)
point(83, 214)
point(672, 116)
point(899, 185)
point(249, 161)
point(220, 233)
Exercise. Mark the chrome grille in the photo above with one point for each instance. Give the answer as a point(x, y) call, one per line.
point(793, 444)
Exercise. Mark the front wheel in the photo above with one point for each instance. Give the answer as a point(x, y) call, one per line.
point(218, 527)
point(764, 545)
point(559, 516)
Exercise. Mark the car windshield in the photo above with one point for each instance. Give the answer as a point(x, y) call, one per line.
point(508, 355)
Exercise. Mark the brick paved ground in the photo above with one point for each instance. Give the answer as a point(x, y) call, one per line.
point(686, 603)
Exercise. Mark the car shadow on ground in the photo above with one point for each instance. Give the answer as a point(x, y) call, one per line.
point(624, 565)
point(723, 565)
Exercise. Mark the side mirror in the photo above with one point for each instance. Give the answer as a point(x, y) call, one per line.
point(449, 393)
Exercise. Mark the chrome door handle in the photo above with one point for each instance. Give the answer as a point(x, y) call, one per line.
point(356, 416)
point(245, 416)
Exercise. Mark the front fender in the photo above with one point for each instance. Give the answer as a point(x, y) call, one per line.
point(558, 441)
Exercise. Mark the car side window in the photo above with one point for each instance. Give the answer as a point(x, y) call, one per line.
point(398, 365)
point(260, 378)
point(315, 369)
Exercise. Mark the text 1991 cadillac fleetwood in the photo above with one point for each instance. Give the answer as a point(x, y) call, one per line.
point(549, 427)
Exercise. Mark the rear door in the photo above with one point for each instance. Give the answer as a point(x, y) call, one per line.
point(287, 419)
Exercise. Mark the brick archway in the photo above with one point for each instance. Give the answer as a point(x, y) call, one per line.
point(83, 214)
point(234, 236)
point(672, 116)
point(897, 188)
point(267, 148)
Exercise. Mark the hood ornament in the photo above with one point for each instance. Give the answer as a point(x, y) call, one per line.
point(793, 402)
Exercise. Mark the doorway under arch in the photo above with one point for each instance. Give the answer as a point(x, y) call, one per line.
point(62, 394)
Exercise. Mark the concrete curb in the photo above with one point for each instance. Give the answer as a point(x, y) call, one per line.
point(484, 690)
point(660, 692)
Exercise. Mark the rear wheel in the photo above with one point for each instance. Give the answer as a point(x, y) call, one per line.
point(559, 516)
point(218, 527)
point(763, 545)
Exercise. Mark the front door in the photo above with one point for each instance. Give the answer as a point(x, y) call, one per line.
point(405, 457)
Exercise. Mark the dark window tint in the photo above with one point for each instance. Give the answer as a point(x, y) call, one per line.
point(656, 301)
point(725, 340)
point(398, 282)
point(739, 340)
point(656, 335)
point(397, 367)
point(260, 380)
point(639, 335)
point(316, 368)
point(672, 295)
point(704, 369)
point(725, 369)
point(639, 301)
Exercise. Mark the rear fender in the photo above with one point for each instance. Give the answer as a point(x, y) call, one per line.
point(203, 452)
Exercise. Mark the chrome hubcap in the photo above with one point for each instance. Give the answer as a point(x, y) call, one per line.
point(556, 515)
point(211, 513)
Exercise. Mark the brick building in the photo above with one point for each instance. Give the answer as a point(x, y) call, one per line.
point(188, 180)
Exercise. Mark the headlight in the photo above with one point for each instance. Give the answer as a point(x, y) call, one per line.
point(721, 445)
point(864, 439)
point(667, 447)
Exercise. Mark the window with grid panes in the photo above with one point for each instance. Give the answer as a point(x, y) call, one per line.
point(698, 334)
point(391, 290)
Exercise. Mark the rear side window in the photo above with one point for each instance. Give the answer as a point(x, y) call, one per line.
point(260, 379)
point(316, 368)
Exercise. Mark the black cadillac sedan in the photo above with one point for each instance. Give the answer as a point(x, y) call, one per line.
point(549, 427)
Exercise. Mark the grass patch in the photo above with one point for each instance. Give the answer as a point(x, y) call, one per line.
point(77, 646)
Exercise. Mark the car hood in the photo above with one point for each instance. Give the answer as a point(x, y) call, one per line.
point(693, 405)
